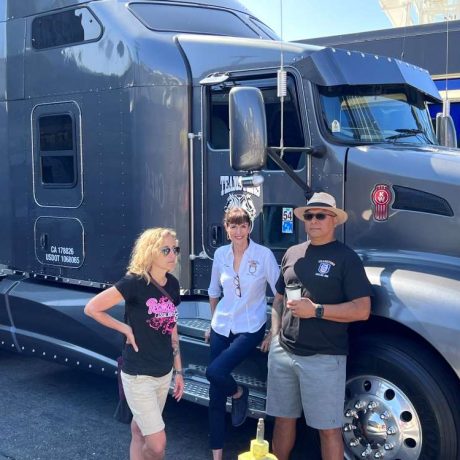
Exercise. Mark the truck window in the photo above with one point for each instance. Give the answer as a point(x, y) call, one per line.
point(57, 150)
point(293, 135)
point(56, 154)
point(369, 114)
point(68, 27)
point(191, 19)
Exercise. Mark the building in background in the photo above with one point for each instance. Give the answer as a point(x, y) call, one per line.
point(403, 13)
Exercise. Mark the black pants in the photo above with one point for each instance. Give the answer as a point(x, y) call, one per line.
point(226, 354)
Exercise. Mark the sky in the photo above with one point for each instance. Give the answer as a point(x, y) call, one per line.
point(319, 18)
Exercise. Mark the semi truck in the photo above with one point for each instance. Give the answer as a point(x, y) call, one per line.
point(116, 116)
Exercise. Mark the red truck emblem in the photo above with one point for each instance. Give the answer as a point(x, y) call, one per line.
point(381, 198)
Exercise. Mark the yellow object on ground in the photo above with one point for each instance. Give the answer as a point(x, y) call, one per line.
point(259, 447)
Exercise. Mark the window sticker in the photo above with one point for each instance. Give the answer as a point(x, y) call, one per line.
point(335, 126)
point(287, 218)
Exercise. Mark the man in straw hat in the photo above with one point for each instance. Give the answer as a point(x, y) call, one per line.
point(307, 359)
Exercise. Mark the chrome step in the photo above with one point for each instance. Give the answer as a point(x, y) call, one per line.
point(196, 390)
point(193, 327)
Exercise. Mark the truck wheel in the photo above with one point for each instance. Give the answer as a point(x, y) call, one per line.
point(399, 403)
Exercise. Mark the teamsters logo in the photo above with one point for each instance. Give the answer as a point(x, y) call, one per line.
point(231, 184)
point(324, 268)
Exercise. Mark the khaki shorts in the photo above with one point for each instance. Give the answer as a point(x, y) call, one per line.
point(315, 384)
point(146, 397)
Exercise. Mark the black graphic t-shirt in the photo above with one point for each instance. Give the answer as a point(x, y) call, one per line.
point(152, 317)
point(331, 273)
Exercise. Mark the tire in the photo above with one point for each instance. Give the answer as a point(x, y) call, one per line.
point(400, 401)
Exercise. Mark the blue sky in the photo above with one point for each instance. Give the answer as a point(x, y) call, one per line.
point(315, 18)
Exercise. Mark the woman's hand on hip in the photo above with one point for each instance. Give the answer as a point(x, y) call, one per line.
point(130, 337)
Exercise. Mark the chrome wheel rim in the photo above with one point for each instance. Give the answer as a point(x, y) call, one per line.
point(379, 421)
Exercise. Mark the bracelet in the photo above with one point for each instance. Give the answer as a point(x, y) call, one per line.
point(179, 371)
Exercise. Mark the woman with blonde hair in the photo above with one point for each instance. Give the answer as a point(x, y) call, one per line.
point(151, 296)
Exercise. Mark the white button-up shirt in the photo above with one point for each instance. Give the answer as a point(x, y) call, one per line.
point(247, 313)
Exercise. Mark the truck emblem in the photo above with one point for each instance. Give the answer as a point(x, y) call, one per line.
point(241, 200)
point(381, 197)
point(234, 184)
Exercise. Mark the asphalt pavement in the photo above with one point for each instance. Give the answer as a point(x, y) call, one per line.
point(51, 412)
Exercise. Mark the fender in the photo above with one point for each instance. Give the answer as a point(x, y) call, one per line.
point(420, 292)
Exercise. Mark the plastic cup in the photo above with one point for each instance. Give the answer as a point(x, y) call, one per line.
point(293, 292)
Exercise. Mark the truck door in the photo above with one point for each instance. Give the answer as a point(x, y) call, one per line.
point(271, 203)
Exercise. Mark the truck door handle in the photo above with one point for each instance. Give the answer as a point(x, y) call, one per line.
point(216, 235)
point(44, 240)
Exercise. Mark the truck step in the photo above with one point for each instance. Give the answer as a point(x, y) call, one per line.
point(196, 390)
point(193, 327)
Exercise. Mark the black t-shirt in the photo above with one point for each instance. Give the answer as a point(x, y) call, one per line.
point(331, 273)
point(152, 317)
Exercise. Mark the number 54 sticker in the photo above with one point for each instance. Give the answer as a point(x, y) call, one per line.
point(287, 220)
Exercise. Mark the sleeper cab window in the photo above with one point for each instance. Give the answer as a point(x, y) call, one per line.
point(58, 153)
point(65, 28)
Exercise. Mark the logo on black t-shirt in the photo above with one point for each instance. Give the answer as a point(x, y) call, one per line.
point(324, 267)
point(164, 315)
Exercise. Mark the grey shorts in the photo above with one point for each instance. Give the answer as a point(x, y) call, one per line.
point(315, 383)
point(146, 397)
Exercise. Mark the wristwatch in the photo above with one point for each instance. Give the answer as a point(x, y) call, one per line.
point(319, 311)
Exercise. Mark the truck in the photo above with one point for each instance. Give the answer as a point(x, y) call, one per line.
point(116, 116)
point(431, 46)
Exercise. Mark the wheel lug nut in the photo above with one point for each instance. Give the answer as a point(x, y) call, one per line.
point(391, 430)
point(349, 427)
point(388, 446)
point(372, 405)
point(379, 454)
point(353, 443)
point(385, 415)
point(367, 451)
point(360, 405)
point(351, 413)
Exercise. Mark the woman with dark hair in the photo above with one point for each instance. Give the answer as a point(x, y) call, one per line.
point(240, 271)
point(151, 295)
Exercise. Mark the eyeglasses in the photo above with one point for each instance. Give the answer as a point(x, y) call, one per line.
point(236, 282)
point(166, 250)
point(319, 215)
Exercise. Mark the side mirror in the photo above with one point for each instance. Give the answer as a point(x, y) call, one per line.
point(445, 130)
point(248, 129)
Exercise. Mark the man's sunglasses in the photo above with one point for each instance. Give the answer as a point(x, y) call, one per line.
point(166, 250)
point(319, 215)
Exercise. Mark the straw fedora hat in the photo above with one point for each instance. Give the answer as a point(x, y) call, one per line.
point(322, 200)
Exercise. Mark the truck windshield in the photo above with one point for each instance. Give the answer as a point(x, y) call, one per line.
point(369, 114)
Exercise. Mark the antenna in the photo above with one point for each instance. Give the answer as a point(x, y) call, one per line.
point(281, 82)
point(446, 102)
point(406, 20)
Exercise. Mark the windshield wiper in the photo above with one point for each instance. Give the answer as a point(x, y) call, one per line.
point(408, 132)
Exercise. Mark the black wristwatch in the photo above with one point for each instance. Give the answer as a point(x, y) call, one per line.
point(319, 311)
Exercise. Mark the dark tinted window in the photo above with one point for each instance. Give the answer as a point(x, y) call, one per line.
point(292, 132)
point(56, 133)
point(65, 28)
point(57, 150)
point(191, 19)
point(279, 227)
